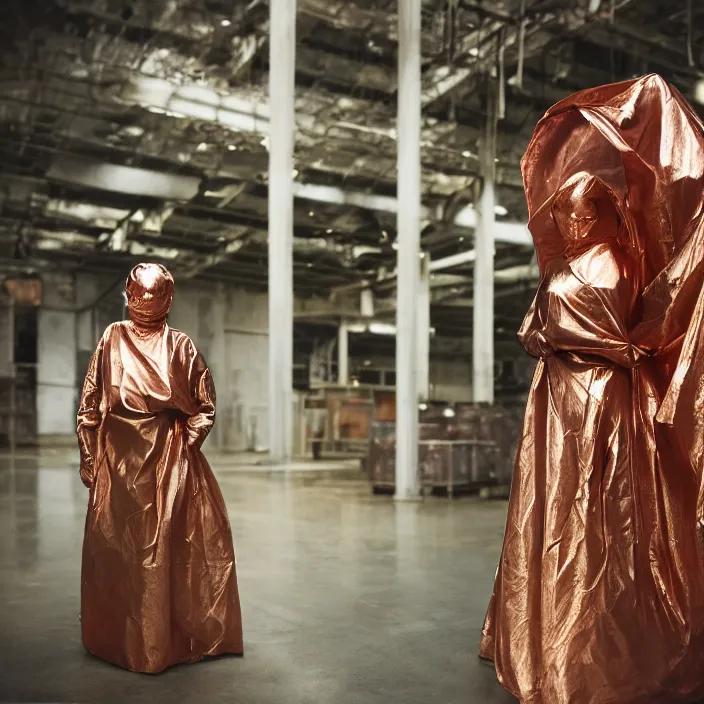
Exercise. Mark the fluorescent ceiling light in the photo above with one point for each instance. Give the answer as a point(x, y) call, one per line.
point(49, 245)
point(382, 329)
point(500, 210)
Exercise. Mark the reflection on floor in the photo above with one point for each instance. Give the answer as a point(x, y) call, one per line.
point(347, 597)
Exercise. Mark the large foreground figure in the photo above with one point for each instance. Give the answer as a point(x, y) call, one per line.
point(599, 595)
point(158, 581)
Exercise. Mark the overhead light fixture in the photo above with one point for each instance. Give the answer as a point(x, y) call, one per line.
point(500, 210)
point(311, 214)
point(423, 407)
point(226, 23)
point(169, 113)
point(202, 147)
point(232, 147)
point(449, 412)
point(466, 154)
point(699, 91)
point(474, 51)
point(382, 329)
point(329, 231)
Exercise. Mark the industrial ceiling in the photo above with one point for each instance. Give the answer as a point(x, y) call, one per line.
point(138, 129)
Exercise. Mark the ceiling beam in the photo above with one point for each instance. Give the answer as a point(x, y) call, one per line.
point(507, 232)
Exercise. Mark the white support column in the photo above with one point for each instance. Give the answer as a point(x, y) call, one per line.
point(424, 329)
point(483, 310)
point(408, 219)
point(282, 54)
point(343, 354)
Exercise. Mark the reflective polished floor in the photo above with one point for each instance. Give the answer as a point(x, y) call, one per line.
point(347, 597)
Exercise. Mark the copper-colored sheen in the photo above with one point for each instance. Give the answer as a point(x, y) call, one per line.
point(158, 584)
point(599, 595)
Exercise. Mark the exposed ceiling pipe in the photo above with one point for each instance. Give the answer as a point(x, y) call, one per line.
point(527, 273)
point(453, 260)
point(101, 216)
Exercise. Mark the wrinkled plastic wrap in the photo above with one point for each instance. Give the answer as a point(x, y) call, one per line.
point(599, 595)
point(158, 580)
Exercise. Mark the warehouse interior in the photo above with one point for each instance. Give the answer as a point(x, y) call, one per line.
point(336, 189)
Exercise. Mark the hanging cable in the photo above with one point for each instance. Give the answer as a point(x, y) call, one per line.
point(521, 45)
point(690, 33)
point(501, 76)
point(451, 19)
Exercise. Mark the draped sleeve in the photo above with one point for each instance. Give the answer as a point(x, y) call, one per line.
point(90, 416)
point(582, 307)
point(202, 392)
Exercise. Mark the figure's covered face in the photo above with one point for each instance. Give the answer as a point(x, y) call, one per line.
point(150, 292)
point(585, 214)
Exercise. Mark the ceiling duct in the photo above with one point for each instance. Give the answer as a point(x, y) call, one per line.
point(124, 179)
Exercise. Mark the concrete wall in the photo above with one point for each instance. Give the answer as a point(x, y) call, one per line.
point(57, 391)
point(230, 328)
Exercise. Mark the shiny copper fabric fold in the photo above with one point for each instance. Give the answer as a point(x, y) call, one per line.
point(158, 581)
point(599, 595)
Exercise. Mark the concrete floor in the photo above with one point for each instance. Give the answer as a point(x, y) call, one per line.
point(347, 597)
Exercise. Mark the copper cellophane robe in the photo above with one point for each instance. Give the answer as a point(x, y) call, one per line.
point(599, 594)
point(158, 579)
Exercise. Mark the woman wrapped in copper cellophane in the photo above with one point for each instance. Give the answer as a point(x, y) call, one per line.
point(599, 595)
point(158, 584)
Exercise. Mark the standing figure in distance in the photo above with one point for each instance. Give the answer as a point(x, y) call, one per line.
point(599, 595)
point(158, 583)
